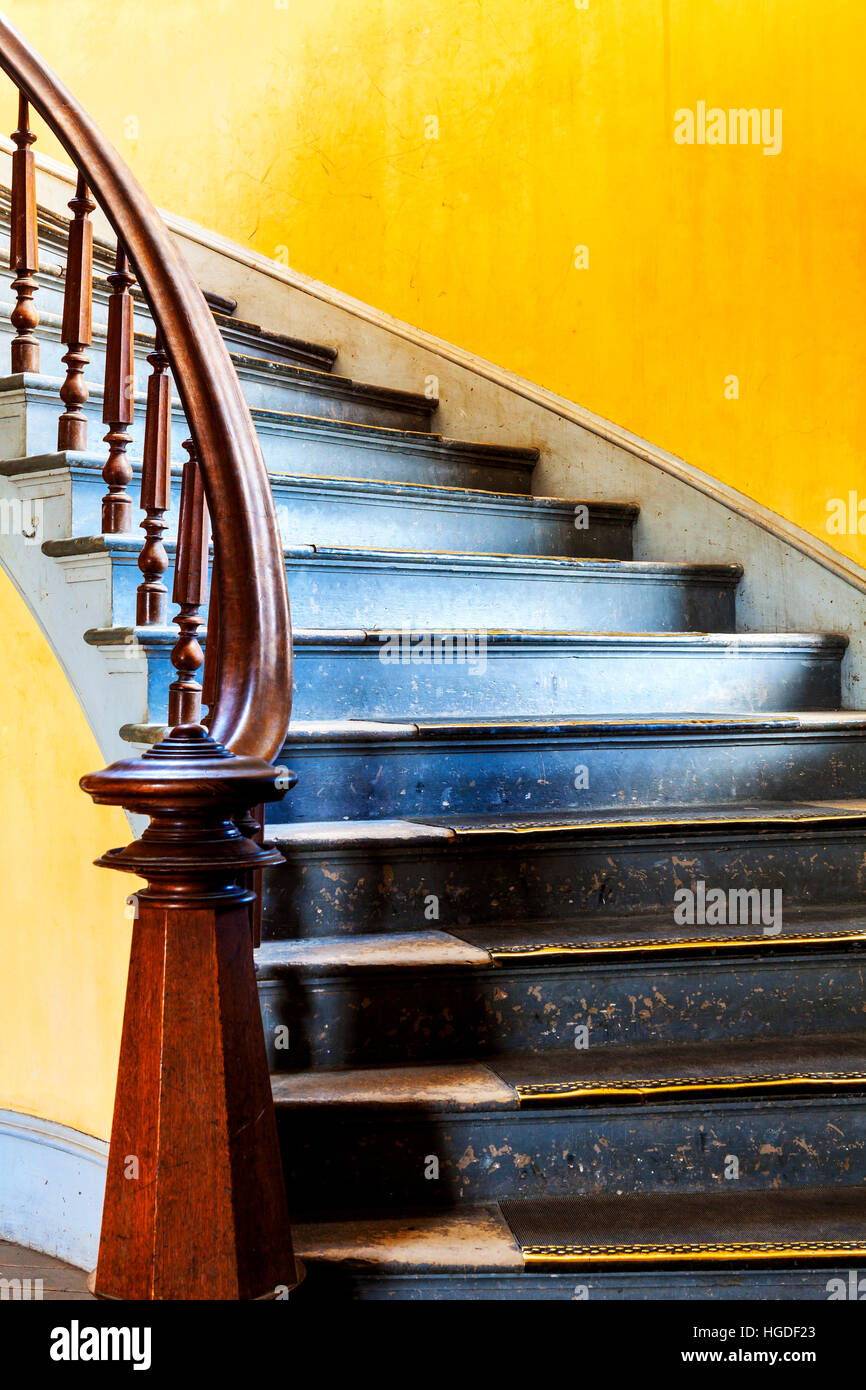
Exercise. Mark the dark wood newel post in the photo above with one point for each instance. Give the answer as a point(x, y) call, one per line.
point(195, 1205)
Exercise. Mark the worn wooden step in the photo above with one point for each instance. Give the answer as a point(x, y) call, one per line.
point(399, 589)
point(759, 1112)
point(272, 389)
point(53, 231)
point(343, 876)
point(499, 677)
point(251, 340)
point(606, 937)
point(339, 1002)
point(815, 1224)
point(396, 590)
point(243, 339)
point(343, 674)
point(797, 1245)
point(600, 1074)
point(346, 512)
point(293, 441)
point(370, 769)
point(590, 1074)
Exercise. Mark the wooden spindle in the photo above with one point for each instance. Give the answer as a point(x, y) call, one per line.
point(24, 245)
point(76, 332)
point(119, 402)
point(210, 682)
point(190, 589)
point(152, 602)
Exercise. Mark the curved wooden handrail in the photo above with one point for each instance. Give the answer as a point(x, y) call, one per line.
point(253, 699)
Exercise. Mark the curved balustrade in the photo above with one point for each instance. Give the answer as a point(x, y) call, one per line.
point(195, 1205)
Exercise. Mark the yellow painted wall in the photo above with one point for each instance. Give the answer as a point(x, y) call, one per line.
point(64, 933)
point(303, 124)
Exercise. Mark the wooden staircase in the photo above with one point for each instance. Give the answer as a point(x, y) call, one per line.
point(505, 1062)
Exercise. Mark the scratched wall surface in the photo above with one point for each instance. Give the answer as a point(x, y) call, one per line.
point(443, 160)
point(65, 936)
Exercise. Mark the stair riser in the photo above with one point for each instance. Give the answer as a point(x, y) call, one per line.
point(264, 388)
point(345, 681)
point(339, 781)
point(356, 1159)
point(334, 682)
point(240, 340)
point(388, 595)
point(335, 516)
point(722, 1282)
point(298, 446)
point(49, 300)
point(404, 1016)
point(326, 512)
point(291, 443)
point(324, 893)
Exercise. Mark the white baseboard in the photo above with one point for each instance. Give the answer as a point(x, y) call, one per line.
point(52, 1181)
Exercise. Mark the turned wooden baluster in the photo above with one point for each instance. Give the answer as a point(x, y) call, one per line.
point(24, 245)
point(210, 681)
point(190, 589)
point(72, 427)
point(119, 402)
point(152, 602)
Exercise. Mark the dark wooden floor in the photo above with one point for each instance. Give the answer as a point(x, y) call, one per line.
point(59, 1281)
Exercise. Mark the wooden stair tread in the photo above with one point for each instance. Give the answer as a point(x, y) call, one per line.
point(338, 835)
point(814, 1224)
point(683, 1068)
point(422, 950)
point(650, 933)
point(591, 1074)
point(475, 1238)
point(741, 1225)
point(433, 1086)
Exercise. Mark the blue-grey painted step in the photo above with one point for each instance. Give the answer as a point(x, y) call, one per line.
point(350, 512)
point(355, 674)
point(268, 387)
point(291, 443)
point(239, 334)
point(279, 387)
point(790, 1111)
point(368, 770)
point(428, 996)
point(251, 340)
point(365, 588)
point(397, 590)
point(341, 675)
point(379, 876)
point(243, 339)
point(627, 1247)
